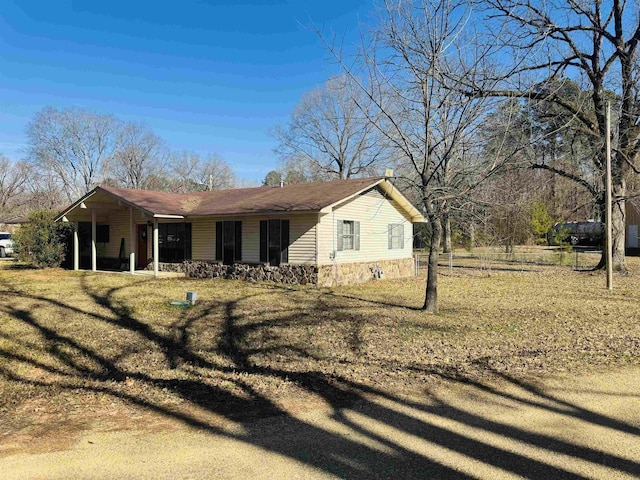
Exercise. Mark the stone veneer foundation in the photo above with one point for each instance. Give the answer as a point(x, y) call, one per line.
point(354, 273)
point(323, 275)
point(288, 274)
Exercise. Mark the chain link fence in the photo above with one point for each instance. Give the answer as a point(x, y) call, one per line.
point(524, 260)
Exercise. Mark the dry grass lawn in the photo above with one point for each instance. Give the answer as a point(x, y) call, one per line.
point(76, 348)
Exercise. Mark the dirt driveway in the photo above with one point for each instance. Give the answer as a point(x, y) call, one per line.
point(566, 428)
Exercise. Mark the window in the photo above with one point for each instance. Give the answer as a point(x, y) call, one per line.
point(396, 236)
point(348, 235)
point(229, 242)
point(102, 233)
point(274, 241)
point(174, 241)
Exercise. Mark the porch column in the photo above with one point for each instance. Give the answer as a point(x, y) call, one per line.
point(132, 243)
point(156, 248)
point(94, 252)
point(76, 247)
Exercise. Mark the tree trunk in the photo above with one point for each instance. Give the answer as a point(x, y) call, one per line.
point(431, 293)
point(472, 236)
point(618, 226)
point(618, 229)
point(446, 229)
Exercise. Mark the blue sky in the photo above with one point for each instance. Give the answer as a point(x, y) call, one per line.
point(207, 76)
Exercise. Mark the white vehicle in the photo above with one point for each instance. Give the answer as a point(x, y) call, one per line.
point(6, 244)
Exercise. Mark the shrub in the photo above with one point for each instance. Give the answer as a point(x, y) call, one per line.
point(41, 242)
point(541, 221)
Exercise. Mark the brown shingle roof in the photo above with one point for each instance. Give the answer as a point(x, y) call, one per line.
point(310, 197)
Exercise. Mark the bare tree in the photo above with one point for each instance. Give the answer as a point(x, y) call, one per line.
point(45, 193)
point(139, 157)
point(73, 144)
point(190, 173)
point(13, 184)
point(595, 43)
point(328, 136)
point(412, 65)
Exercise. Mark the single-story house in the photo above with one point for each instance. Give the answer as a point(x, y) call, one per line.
point(344, 231)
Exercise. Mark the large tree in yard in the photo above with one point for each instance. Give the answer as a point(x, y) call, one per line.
point(595, 44)
point(410, 70)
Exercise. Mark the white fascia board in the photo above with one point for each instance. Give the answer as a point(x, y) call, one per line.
point(81, 201)
point(163, 215)
point(75, 205)
point(400, 199)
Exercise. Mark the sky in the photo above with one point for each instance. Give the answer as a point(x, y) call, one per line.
point(206, 76)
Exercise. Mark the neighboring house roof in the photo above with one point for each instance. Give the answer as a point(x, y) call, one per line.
point(15, 220)
point(305, 197)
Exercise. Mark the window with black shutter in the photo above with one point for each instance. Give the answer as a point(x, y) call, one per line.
point(229, 242)
point(274, 241)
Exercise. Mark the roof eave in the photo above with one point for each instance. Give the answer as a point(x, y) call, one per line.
point(409, 208)
point(167, 215)
point(93, 192)
point(395, 194)
point(75, 205)
point(400, 199)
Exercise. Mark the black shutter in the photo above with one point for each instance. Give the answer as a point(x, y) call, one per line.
point(219, 241)
point(284, 240)
point(264, 227)
point(339, 233)
point(187, 241)
point(238, 240)
point(356, 235)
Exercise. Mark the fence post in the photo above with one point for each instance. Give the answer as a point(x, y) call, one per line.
point(416, 264)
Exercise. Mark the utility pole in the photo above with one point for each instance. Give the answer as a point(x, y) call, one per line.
point(609, 252)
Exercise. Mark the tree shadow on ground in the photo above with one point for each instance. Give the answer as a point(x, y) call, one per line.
point(69, 364)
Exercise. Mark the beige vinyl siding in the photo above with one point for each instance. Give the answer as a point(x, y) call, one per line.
point(203, 238)
point(375, 213)
point(119, 228)
point(303, 239)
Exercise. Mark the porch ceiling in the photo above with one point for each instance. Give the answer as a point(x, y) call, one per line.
point(100, 202)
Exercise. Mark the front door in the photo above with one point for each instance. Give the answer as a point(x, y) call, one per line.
point(142, 252)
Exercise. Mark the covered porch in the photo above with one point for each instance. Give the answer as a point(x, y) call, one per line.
point(110, 234)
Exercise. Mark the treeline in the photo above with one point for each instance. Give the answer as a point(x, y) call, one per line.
point(520, 167)
point(69, 151)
